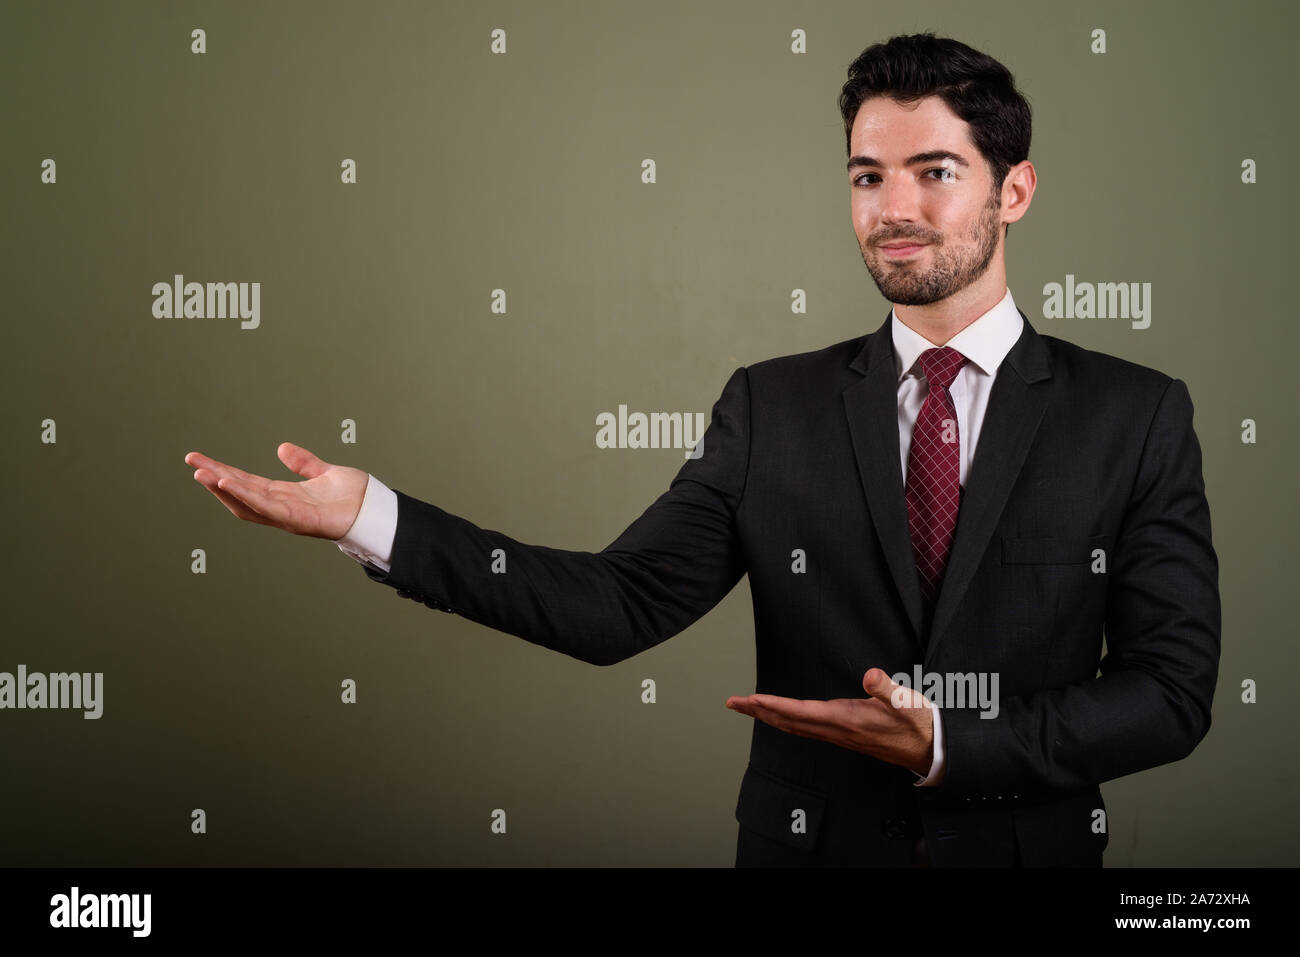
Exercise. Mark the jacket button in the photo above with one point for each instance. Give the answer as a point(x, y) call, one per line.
point(895, 827)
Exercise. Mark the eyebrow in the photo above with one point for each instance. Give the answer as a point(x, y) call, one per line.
point(912, 160)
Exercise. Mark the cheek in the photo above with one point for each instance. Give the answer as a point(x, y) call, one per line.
point(863, 223)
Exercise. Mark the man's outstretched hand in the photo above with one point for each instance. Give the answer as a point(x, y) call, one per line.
point(324, 506)
point(895, 724)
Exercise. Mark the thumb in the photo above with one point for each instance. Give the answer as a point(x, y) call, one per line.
point(301, 461)
point(879, 685)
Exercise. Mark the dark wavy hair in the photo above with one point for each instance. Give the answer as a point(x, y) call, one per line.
point(975, 86)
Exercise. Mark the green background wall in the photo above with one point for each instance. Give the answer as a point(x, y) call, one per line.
point(521, 171)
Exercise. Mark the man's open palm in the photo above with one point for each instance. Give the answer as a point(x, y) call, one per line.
point(324, 506)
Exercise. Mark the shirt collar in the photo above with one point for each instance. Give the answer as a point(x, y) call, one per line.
point(985, 342)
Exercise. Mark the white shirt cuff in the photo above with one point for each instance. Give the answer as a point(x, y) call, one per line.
point(937, 765)
point(370, 539)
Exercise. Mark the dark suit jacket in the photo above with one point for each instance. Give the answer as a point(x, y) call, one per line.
point(1079, 451)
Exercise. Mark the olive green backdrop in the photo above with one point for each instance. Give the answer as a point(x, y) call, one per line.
point(521, 171)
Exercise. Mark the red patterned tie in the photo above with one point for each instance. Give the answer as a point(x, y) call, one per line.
point(933, 470)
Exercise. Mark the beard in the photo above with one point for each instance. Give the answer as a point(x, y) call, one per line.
point(908, 283)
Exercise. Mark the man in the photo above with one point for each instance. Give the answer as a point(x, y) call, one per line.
point(953, 495)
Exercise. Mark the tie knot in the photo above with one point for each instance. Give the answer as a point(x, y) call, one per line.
point(941, 366)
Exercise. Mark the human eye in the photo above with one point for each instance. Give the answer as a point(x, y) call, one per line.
point(951, 176)
point(857, 180)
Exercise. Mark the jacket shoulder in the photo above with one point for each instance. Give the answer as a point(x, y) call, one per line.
point(819, 367)
point(1083, 368)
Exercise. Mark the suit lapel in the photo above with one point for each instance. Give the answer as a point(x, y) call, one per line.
point(871, 404)
point(1011, 420)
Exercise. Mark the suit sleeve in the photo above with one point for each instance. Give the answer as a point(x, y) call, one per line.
point(1151, 703)
point(666, 570)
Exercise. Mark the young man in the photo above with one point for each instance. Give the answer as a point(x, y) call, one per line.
point(952, 497)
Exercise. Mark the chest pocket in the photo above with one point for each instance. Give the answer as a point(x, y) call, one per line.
point(1074, 550)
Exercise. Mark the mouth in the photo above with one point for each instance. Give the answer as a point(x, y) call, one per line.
point(901, 250)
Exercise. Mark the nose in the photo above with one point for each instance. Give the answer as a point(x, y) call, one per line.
point(898, 200)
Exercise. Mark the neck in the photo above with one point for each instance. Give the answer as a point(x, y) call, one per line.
point(940, 321)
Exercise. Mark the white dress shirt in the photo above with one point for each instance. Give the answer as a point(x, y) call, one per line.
point(985, 342)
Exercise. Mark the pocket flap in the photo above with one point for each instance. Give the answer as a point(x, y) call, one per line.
point(1050, 834)
point(770, 805)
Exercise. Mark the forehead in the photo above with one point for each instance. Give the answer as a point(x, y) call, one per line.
point(890, 130)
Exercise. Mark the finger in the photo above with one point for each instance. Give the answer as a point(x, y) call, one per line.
point(877, 683)
point(743, 706)
point(804, 728)
point(255, 499)
point(747, 705)
point(301, 461)
point(237, 508)
point(199, 460)
point(779, 712)
point(793, 708)
point(770, 708)
point(882, 687)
